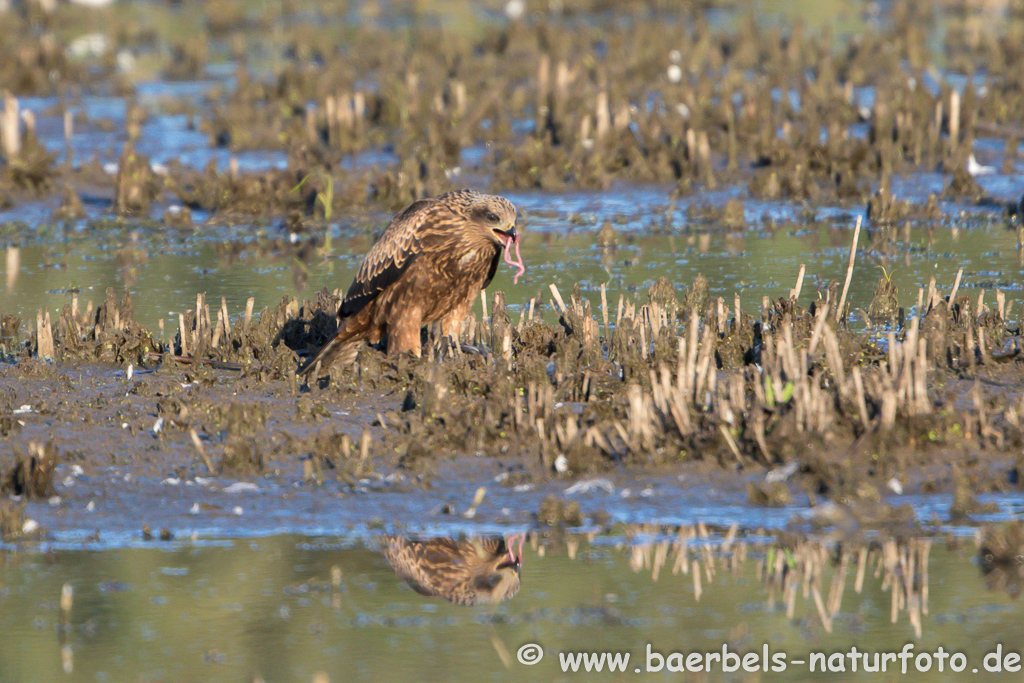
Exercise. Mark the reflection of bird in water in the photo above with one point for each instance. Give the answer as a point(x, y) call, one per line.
point(474, 571)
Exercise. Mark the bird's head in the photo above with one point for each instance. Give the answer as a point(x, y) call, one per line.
point(492, 218)
point(495, 217)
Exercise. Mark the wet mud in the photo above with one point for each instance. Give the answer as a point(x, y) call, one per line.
point(545, 102)
point(786, 407)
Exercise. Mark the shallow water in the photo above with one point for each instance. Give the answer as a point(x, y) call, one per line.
point(236, 609)
point(560, 246)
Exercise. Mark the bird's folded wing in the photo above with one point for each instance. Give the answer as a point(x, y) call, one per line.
point(388, 259)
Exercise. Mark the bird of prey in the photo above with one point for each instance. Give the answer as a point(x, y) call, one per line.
point(474, 571)
point(427, 266)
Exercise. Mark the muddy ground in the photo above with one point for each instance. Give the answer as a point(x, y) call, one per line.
point(786, 412)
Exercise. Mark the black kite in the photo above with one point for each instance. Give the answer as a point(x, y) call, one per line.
point(428, 265)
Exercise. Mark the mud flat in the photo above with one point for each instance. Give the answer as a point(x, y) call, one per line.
point(223, 116)
point(783, 408)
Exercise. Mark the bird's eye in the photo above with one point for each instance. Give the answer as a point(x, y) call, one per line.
point(492, 217)
point(488, 582)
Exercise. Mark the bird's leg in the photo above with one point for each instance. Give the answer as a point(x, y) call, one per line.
point(451, 327)
point(377, 332)
point(451, 323)
point(445, 347)
point(404, 332)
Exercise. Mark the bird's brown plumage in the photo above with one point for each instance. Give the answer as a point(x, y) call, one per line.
point(474, 571)
point(427, 266)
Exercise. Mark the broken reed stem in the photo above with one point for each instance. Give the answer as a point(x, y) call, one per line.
point(862, 406)
point(794, 293)
point(826, 621)
point(732, 443)
point(558, 298)
point(849, 271)
point(10, 128)
point(819, 326)
point(249, 303)
point(69, 129)
point(197, 329)
point(835, 594)
point(862, 565)
point(954, 121)
point(44, 335)
point(956, 286)
point(604, 310)
point(217, 330)
point(227, 319)
point(364, 445)
point(202, 451)
point(926, 548)
point(182, 335)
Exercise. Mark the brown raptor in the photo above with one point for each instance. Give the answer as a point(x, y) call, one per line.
point(428, 265)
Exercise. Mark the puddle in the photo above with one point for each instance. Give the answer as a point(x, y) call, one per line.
point(165, 136)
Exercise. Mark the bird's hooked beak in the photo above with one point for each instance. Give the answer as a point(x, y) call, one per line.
point(508, 237)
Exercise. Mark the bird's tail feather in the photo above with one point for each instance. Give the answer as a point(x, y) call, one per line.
point(342, 348)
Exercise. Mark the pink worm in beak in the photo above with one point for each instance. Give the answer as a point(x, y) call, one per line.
point(518, 263)
point(515, 557)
